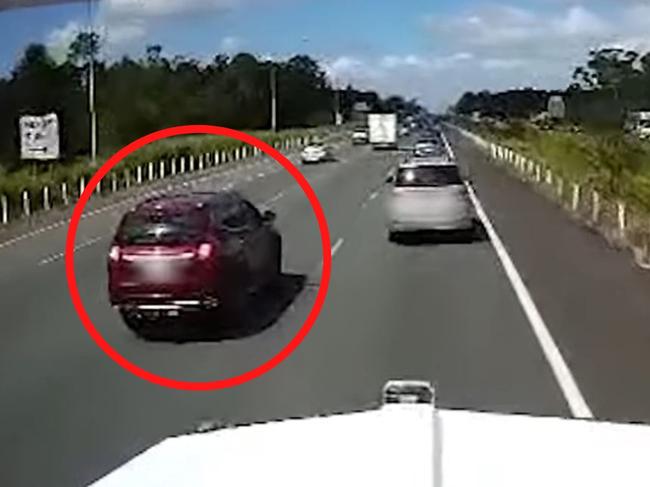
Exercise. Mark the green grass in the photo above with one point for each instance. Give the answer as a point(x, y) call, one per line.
point(618, 166)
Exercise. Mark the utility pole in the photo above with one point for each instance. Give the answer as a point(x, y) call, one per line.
point(337, 101)
point(274, 98)
point(91, 85)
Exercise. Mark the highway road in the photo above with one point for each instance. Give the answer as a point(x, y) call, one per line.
point(440, 310)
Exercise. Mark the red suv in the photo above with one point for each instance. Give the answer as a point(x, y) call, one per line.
point(195, 251)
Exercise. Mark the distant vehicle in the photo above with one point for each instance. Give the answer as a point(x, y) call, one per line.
point(383, 130)
point(315, 153)
point(360, 135)
point(441, 157)
point(190, 252)
point(427, 197)
point(429, 147)
point(638, 123)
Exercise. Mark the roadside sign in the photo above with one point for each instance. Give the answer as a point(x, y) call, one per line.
point(556, 107)
point(39, 137)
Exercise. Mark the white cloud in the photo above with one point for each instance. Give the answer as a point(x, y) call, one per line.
point(126, 23)
point(230, 44)
point(532, 46)
point(581, 22)
point(58, 40)
point(120, 34)
point(163, 8)
point(410, 75)
point(496, 63)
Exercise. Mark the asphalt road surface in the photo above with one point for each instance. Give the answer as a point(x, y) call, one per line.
point(440, 310)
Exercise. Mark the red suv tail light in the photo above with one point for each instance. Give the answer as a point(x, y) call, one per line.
point(114, 253)
point(204, 251)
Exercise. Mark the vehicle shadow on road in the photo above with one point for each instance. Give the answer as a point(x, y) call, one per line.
point(438, 237)
point(261, 311)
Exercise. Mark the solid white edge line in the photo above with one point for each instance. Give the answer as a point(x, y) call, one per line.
point(561, 371)
point(559, 367)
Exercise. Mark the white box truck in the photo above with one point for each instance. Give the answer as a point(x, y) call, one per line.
point(382, 129)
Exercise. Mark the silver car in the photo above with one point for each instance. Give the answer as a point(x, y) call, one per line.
point(428, 197)
point(315, 153)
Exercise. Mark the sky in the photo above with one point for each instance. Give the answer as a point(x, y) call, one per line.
point(432, 50)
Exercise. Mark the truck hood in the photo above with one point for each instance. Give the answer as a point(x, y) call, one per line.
point(399, 444)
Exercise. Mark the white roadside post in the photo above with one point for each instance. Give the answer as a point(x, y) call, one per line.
point(216, 158)
point(82, 186)
point(138, 175)
point(5, 209)
point(64, 193)
point(621, 218)
point(538, 173)
point(200, 162)
point(173, 166)
point(98, 188)
point(150, 171)
point(162, 169)
point(549, 177)
point(46, 198)
point(560, 187)
point(191, 163)
point(113, 183)
point(575, 199)
point(595, 206)
point(127, 178)
point(182, 164)
point(26, 207)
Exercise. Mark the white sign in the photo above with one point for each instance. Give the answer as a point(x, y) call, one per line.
point(556, 107)
point(39, 137)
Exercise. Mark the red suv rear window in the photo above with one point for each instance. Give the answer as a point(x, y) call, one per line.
point(162, 227)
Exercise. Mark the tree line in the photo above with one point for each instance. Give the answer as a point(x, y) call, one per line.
point(611, 83)
point(135, 96)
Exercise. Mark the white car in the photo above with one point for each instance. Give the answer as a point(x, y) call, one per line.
point(436, 158)
point(360, 136)
point(315, 153)
point(424, 148)
point(428, 197)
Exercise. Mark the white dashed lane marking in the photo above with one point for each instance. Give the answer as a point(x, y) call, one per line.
point(60, 255)
point(336, 246)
